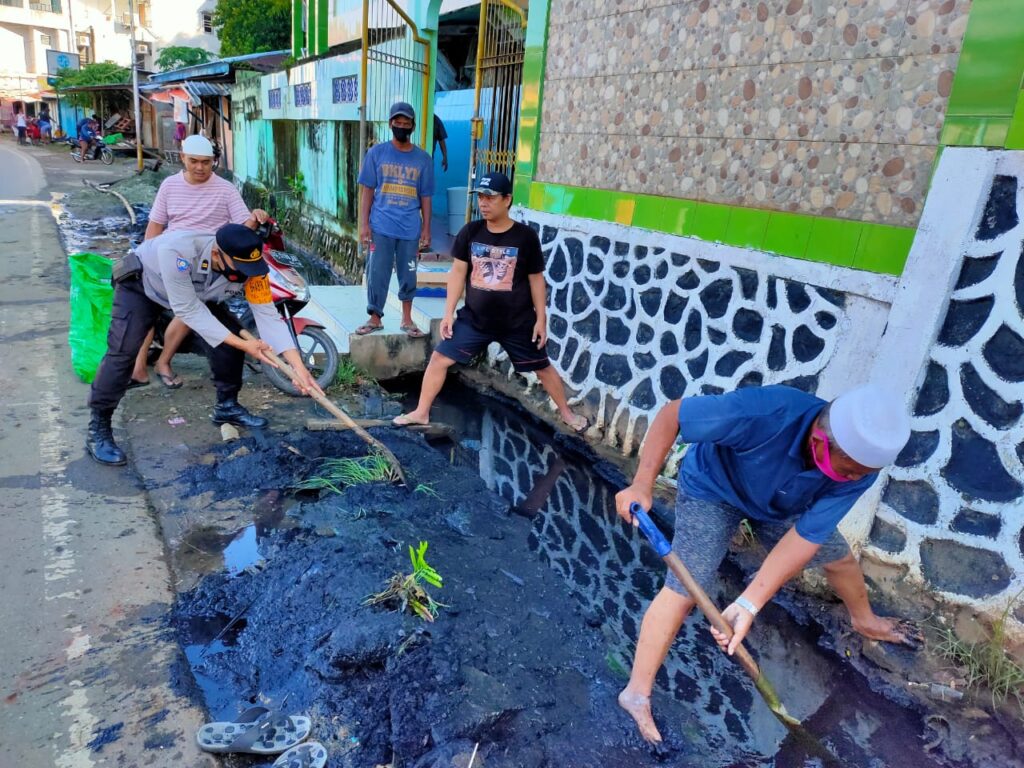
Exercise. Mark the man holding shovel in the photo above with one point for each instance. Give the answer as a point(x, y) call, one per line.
point(192, 274)
point(791, 464)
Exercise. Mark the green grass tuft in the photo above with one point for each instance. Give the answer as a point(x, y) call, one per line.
point(336, 474)
point(987, 664)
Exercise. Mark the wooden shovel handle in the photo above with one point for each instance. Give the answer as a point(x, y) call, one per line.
point(335, 411)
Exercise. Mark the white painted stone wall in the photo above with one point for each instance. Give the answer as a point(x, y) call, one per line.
point(637, 318)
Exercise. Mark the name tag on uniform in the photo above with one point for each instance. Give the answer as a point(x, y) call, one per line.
point(257, 290)
point(181, 264)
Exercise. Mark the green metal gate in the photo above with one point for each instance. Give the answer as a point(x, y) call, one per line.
point(501, 49)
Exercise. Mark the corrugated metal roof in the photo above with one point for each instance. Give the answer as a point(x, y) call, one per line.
point(264, 62)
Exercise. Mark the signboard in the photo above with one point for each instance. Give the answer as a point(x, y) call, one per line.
point(58, 60)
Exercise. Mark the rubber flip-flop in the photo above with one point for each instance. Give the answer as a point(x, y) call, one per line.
point(257, 731)
point(171, 381)
point(578, 424)
point(364, 330)
point(413, 332)
point(133, 384)
point(312, 754)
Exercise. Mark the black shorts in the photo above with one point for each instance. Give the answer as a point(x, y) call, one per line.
point(467, 342)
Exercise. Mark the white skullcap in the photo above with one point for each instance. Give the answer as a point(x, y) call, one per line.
point(870, 425)
point(197, 146)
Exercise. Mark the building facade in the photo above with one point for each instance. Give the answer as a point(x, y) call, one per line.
point(814, 192)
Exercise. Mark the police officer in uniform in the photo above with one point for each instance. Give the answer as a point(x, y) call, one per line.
point(191, 274)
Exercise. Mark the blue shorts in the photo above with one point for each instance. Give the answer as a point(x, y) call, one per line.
point(703, 530)
point(467, 342)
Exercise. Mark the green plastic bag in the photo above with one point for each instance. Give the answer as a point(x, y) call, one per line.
point(91, 298)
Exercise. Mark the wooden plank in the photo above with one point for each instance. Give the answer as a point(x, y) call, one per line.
point(331, 425)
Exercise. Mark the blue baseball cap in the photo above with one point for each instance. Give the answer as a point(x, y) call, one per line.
point(493, 184)
point(402, 109)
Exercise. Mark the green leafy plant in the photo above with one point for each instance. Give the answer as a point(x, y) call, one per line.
point(178, 56)
point(253, 26)
point(297, 185)
point(97, 73)
point(427, 489)
point(350, 376)
point(407, 591)
point(336, 474)
point(988, 664)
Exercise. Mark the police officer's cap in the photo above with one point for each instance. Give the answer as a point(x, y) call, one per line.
point(244, 247)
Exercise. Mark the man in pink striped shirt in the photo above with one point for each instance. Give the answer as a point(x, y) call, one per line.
point(195, 200)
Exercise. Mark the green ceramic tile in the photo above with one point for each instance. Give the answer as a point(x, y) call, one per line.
point(834, 241)
point(592, 204)
point(711, 223)
point(884, 249)
point(553, 199)
point(622, 208)
point(975, 131)
point(650, 213)
point(679, 216)
point(788, 234)
point(1015, 136)
point(747, 227)
point(521, 188)
point(537, 196)
point(988, 74)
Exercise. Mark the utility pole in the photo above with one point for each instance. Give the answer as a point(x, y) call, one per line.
point(135, 89)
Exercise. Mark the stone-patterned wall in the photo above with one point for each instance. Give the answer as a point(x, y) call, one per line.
point(614, 576)
point(829, 107)
point(637, 319)
point(953, 507)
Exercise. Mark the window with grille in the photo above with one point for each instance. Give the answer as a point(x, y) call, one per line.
point(48, 6)
point(207, 22)
point(274, 98)
point(13, 3)
point(45, 41)
point(303, 94)
point(345, 90)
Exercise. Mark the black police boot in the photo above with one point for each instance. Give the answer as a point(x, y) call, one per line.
point(230, 411)
point(100, 440)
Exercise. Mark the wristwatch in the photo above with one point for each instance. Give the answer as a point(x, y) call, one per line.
point(746, 605)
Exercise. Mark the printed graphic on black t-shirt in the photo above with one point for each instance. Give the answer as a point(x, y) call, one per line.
point(498, 295)
point(493, 267)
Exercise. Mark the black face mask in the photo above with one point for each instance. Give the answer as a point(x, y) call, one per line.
point(233, 275)
point(401, 134)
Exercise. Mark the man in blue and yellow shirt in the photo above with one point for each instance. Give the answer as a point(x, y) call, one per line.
point(396, 184)
point(791, 464)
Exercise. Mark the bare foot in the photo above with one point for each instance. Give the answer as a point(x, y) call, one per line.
point(405, 419)
point(639, 708)
point(890, 630)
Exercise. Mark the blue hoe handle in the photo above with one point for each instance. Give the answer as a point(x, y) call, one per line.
point(650, 530)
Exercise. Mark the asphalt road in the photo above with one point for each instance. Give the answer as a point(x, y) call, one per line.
point(85, 657)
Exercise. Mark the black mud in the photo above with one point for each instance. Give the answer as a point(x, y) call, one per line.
point(545, 590)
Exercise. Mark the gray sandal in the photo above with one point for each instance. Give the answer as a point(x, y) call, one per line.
point(312, 754)
point(257, 731)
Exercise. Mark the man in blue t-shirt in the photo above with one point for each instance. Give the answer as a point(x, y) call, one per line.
point(793, 466)
point(396, 184)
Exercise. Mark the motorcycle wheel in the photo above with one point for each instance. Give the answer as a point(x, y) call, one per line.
point(318, 353)
point(75, 156)
point(107, 155)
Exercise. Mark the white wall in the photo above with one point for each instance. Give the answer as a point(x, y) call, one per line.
point(179, 22)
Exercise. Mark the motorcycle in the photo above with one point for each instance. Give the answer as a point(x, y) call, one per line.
point(97, 150)
point(290, 294)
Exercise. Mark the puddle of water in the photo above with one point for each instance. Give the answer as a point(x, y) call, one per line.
point(202, 639)
point(243, 551)
point(614, 575)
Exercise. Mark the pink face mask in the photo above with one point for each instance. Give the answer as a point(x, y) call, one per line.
point(825, 463)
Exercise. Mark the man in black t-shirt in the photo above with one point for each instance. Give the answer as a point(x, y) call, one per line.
point(499, 265)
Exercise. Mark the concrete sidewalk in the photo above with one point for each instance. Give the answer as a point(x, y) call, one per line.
point(86, 659)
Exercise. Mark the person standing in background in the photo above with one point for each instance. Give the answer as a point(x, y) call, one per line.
point(396, 184)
